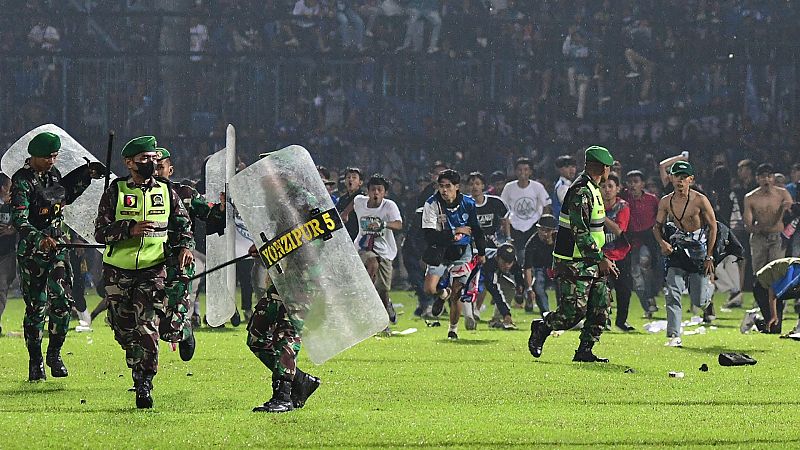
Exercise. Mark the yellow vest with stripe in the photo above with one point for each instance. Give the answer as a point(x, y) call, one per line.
point(135, 204)
point(565, 247)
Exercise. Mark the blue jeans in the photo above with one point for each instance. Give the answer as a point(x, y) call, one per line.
point(539, 288)
point(700, 292)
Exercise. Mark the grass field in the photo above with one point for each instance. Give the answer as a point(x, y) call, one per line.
point(421, 390)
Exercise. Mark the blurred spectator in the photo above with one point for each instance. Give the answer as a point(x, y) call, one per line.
point(198, 38)
point(640, 56)
point(309, 15)
point(43, 36)
point(579, 67)
point(417, 10)
point(351, 26)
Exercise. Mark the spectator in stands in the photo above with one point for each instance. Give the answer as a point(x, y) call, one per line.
point(198, 38)
point(43, 36)
point(528, 200)
point(417, 10)
point(641, 58)
point(309, 15)
point(579, 66)
point(372, 9)
point(351, 26)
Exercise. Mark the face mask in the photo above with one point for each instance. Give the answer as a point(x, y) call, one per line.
point(146, 169)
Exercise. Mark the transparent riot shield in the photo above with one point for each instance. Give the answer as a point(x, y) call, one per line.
point(310, 257)
point(80, 215)
point(220, 284)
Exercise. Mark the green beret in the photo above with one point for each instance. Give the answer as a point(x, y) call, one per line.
point(681, 167)
point(44, 144)
point(164, 152)
point(599, 154)
point(138, 145)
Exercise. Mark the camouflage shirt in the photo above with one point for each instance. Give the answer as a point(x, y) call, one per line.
point(37, 202)
point(577, 207)
point(200, 208)
point(108, 230)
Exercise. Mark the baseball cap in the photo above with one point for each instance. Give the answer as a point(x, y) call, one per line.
point(507, 253)
point(681, 167)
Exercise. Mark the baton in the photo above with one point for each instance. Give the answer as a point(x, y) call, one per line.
point(108, 159)
point(79, 245)
point(214, 269)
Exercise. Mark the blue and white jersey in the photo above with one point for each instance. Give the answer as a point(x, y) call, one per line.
point(559, 192)
point(436, 216)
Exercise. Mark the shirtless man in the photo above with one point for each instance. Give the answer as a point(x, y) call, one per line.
point(763, 217)
point(686, 220)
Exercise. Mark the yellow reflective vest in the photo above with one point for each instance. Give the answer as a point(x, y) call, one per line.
point(565, 247)
point(133, 203)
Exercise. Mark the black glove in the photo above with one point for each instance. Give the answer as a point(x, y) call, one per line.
point(96, 169)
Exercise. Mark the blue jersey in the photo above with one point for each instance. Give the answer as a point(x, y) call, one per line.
point(436, 216)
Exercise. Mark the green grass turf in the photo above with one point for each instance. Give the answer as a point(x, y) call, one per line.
point(483, 391)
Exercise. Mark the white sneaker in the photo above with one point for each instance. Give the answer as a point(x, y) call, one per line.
point(674, 342)
point(444, 294)
point(85, 318)
point(469, 320)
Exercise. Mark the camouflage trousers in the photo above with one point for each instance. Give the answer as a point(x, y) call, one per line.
point(274, 335)
point(46, 284)
point(584, 294)
point(136, 301)
point(177, 286)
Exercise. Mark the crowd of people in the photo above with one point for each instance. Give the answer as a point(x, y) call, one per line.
point(515, 77)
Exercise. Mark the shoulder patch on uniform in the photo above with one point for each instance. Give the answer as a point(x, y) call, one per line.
point(156, 200)
point(129, 201)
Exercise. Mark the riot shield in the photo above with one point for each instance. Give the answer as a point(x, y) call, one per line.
point(220, 284)
point(309, 255)
point(81, 213)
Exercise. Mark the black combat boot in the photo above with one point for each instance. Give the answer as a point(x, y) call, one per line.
point(35, 361)
point(54, 361)
point(539, 333)
point(281, 400)
point(584, 354)
point(187, 345)
point(144, 384)
point(303, 386)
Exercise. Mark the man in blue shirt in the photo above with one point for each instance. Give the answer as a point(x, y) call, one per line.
point(450, 226)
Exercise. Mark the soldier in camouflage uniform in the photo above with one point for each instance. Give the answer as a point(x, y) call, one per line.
point(177, 281)
point(38, 196)
point(273, 335)
point(141, 220)
point(579, 262)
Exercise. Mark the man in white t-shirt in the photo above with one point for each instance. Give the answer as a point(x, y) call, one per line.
point(527, 200)
point(378, 217)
